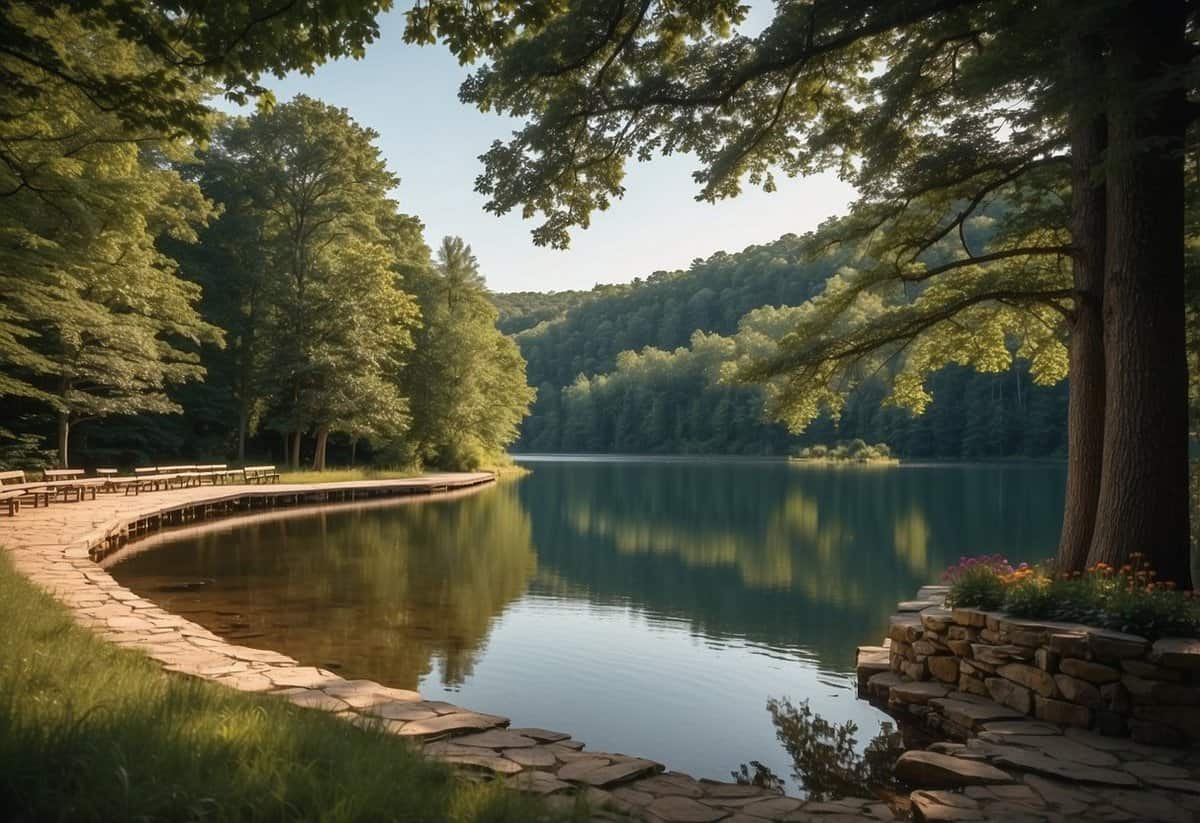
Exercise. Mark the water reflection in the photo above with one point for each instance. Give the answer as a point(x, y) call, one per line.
point(650, 607)
point(407, 587)
point(828, 762)
point(799, 557)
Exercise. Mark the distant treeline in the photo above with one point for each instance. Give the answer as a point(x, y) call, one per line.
point(634, 368)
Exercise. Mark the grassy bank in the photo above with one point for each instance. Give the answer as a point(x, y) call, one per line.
point(343, 475)
point(89, 731)
point(366, 473)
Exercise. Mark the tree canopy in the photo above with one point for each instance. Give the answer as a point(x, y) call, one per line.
point(932, 109)
point(149, 242)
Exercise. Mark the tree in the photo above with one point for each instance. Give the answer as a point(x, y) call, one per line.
point(467, 380)
point(460, 271)
point(336, 324)
point(229, 263)
point(186, 43)
point(931, 108)
point(93, 319)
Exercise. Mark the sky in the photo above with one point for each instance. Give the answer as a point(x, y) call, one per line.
point(409, 95)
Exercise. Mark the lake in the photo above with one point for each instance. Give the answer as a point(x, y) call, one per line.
point(648, 606)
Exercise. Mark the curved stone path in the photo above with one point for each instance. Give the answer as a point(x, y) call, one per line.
point(57, 546)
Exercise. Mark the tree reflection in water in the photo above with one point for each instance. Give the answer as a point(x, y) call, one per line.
point(826, 761)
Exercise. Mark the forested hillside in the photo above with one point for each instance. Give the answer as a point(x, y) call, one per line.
point(635, 368)
point(520, 310)
point(665, 308)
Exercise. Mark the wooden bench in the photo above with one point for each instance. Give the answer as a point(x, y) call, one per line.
point(77, 489)
point(62, 474)
point(14, 489)
point(260, 474)
point(149, 478)
point(71, 482)
point(12, 496)
point(185, 475)
point(216, 473)
point(223, 474)
point(113, 481)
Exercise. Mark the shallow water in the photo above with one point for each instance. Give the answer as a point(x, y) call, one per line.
point(650, 606)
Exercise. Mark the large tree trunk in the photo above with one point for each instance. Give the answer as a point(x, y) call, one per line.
point(64, 436)
point(322, 442)
point(243, 418)
point(294, 459)
point(1085, 404)
point(1143, 500)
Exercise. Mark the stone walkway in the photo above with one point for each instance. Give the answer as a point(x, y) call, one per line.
point(56, 547)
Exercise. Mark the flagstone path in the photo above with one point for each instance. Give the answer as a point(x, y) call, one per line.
point(1007, 776)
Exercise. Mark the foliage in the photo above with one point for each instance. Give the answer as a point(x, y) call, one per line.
point(94, 321)
point(758, 774)
point(188, 44)
point(825, 757)
point(1127, 598)
point(336, 326)
point(664, 309)
point(467, 382)
point(934, 111)
point(521, 310)
point(97, 732)
point(993, 562)
point(971, 415)
point(847, 451)
point(977, 587)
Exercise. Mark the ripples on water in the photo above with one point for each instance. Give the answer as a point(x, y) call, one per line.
point(645, 606)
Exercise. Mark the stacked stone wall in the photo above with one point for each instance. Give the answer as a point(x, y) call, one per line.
point(1062, 673)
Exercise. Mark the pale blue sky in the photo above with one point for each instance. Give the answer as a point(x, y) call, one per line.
point(410, 96)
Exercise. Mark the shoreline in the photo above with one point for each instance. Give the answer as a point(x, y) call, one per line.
point(56, 548)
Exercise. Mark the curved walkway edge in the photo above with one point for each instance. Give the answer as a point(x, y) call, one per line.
point(57, 548)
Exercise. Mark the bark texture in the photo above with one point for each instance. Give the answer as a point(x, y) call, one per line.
point(64, 437)
point(1085, 404)
point(1143, 499)
point(294, 458)
point(322, 443)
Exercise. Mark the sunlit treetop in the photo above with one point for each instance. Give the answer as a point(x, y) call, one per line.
point(228, 44)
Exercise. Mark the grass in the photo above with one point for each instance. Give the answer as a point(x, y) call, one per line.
point(343, 475)
point(508, 469)
point(93, 732)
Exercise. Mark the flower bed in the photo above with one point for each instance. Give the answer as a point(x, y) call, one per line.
point(1128, 598)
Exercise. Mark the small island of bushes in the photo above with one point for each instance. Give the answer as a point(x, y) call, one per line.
point(847, 451)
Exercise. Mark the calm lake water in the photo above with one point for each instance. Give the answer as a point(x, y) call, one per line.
point(650, 606)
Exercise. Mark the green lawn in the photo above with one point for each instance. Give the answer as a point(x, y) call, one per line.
point(92, 732)
point(342, 475)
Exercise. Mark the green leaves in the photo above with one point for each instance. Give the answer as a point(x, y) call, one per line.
point(94, 320)
point(311, 219)
point(466, 379)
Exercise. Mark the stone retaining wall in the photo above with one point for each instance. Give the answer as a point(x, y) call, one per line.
point(1062, 673)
